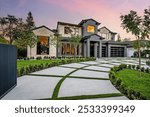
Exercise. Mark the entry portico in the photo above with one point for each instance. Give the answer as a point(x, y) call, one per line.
point(92, 45)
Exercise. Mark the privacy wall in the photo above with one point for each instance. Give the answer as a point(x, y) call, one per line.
point(8, 64)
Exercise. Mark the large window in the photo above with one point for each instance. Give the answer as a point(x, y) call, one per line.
point(43, 46)
point(68, 49)
point(90, 29)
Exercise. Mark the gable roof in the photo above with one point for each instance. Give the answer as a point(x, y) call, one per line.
point(70, 24)
point(43, 27)
point(107, 29)
point(84, 21)
point(86, 37)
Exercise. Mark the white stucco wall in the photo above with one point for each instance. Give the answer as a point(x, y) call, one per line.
point(104, 31)
point(61, 30)
point(42, 32)
point(130, 52)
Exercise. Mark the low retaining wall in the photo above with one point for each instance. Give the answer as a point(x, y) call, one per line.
point(8, 68)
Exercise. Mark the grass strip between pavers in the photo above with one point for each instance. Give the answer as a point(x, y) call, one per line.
point(80, 77)
point(85, 69)
point(56, 89)
point(87, 96)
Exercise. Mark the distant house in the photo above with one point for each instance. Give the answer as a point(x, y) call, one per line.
point(95, 42)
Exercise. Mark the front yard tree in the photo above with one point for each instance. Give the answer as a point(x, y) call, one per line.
point(138, 26)
point(11, 27)
point(3, 23)
point(56, 41)
point(132, 22)
point(75, 41)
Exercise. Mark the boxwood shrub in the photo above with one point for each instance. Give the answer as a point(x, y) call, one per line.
point(32, 68)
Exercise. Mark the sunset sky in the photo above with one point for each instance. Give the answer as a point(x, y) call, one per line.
point(48, 12)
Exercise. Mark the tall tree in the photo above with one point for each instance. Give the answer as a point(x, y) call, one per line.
point(30, 21)
point(11, 27)
point(138, 26)
point(75, 41)
point(3, 23)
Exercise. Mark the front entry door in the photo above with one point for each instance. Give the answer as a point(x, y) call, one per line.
point(91, 49)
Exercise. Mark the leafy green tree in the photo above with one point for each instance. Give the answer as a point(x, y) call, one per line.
point(3, 40)
point(11, 27)
point(138, 26)
point(56, 41)
point(3, 23)
point(75, 41)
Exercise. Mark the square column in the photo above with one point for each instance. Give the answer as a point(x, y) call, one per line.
point(100, 49)
point(84, 49)
point(88, 48)
point(95, 49)
point(109, 50)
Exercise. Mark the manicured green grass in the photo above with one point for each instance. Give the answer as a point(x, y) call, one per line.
point(132, 80)
point(56, 90)
point(86, 96)
point(26, 63)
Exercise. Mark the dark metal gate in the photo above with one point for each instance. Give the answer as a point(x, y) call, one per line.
point(8, 68)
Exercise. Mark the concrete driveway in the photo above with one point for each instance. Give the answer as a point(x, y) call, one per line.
point(83, 80)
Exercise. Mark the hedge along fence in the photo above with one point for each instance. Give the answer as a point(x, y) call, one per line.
point(117, 82)
point(33, 68)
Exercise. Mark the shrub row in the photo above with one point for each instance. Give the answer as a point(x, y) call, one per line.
point(32, 68)
point(137, 67)
point(45, 58)
point(117, 82)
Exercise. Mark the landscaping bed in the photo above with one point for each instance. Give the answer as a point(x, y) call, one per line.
point(27, 66)
point(126, 78)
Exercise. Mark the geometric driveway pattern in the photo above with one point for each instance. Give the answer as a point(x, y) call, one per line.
point(84, 80)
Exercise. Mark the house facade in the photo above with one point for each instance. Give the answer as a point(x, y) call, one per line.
point(95, 42)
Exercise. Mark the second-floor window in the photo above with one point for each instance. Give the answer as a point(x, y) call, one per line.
point(90, 29)
point(67, 30)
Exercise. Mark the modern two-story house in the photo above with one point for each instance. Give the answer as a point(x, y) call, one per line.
point(95, 42)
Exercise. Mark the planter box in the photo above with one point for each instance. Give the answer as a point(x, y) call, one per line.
point(8, 68)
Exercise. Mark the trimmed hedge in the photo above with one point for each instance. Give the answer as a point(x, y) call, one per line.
point(117, 82)
point(32, 68)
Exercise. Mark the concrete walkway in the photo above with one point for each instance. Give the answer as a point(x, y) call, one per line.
point(84, 79)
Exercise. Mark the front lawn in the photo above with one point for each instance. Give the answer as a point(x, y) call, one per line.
point(131, 79)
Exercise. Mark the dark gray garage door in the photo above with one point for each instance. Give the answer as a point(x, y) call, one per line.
point(117, 51)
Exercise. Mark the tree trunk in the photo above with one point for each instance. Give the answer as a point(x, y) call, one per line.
point(139, 52)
